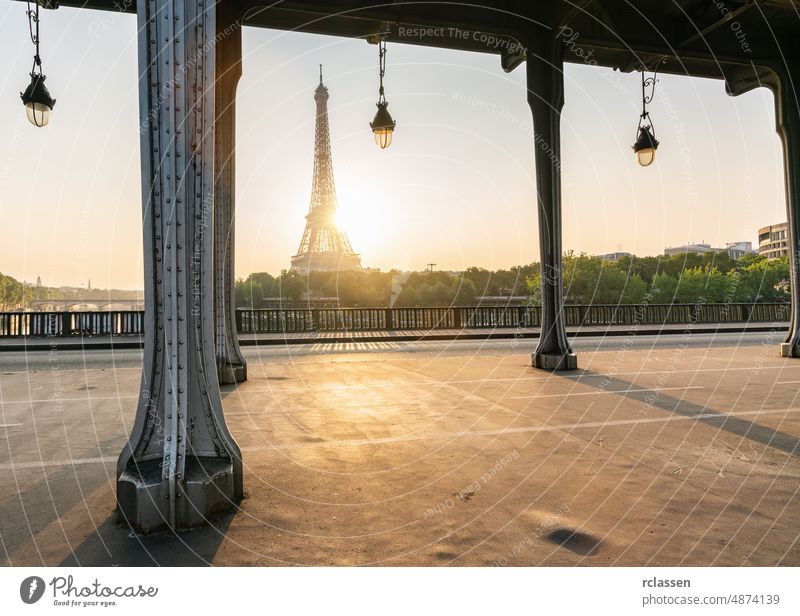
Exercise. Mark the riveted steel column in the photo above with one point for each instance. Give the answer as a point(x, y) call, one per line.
point(231, 365)
point(180, 465)
point(545, 76)
point(787, 116)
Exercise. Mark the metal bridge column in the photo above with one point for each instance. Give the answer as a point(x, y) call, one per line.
point(231, 365)
point(181, 464)
point(787, 115)
point(545, 77)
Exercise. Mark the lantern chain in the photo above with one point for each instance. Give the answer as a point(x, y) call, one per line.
point(33, 28)
point(382, 68)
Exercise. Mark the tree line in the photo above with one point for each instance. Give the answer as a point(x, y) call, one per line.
point(12, 292)
point(15, 295)
point(684, 278)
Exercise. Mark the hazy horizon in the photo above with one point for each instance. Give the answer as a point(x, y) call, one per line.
point(456, 187)
point(85, 285)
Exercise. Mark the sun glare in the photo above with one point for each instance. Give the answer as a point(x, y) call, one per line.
point(363, 222)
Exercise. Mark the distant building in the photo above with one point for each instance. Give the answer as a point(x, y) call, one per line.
point(773, 242)
point(613, 256)
point(736, 250)
point(698, 249)
point(38, 281)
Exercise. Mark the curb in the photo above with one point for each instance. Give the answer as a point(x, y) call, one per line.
point(85, 344)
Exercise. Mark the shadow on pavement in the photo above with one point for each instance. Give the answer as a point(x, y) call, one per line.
point(114, 545)
point(776, 439)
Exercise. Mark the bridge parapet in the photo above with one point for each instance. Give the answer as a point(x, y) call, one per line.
point(291, 320)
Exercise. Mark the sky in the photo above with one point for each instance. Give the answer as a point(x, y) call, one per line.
point(456, 187)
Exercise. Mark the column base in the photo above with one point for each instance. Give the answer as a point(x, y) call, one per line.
point(787, 350)
point(207, 490)
point(228, 373)
point(555, 362)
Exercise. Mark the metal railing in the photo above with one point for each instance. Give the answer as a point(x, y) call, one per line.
point(279, 320)
point(460, 317)
point(94, 323)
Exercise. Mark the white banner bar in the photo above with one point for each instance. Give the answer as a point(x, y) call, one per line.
point(401, 591)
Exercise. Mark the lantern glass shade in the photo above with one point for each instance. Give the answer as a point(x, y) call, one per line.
point(38, 113)
point(383, 126)
point(645, 146)
point(646, 157)
point(383, 137)
point(38, 102)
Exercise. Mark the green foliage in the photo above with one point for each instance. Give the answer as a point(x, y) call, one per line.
point(591, 280)
point(663, 289)
point(689, 278)
point(674, 265)
point(249, 293)
point(11, 292)
point(719, 279)
point(764, 280)
point(15, 294)
point(375, 288)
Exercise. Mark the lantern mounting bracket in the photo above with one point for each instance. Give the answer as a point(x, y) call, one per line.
point(648, 83)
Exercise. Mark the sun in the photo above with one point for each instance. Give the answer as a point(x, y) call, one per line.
point(363, 223)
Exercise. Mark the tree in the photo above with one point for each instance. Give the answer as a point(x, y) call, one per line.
point(764, 280)
point(12, 293)
point(292, 286)
point(700, 284)
point(663, 289)
point(249, 293)
point(466, 293)
point(645, 267)
point(269, 284)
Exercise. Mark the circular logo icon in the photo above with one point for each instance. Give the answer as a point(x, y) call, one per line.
point(31, 589)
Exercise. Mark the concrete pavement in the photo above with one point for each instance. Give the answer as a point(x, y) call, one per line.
point(673, 454)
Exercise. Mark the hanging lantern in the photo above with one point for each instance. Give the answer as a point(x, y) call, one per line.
point(382, 125)
point(36, 98)
point(645, 146)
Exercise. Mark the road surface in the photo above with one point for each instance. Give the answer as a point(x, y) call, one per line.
point(19, 361)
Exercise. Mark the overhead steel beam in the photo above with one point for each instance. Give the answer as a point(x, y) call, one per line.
point(622, 46)
point(722, 20)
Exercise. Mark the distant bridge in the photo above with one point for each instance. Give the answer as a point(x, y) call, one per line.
point(84, 305)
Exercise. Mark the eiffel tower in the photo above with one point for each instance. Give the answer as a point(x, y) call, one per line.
point(324, 247)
